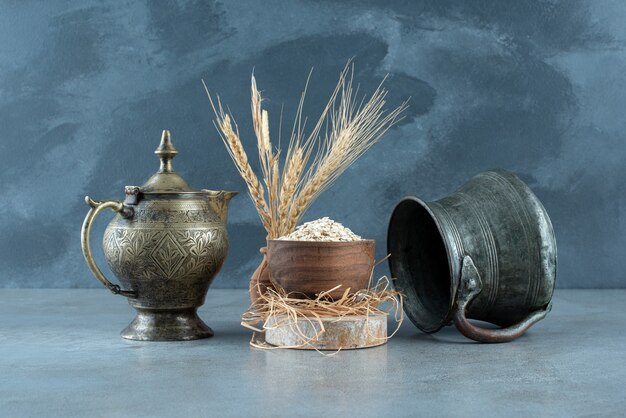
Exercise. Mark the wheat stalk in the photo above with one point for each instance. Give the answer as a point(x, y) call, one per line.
point(289, 183)
point(270, 160)
point(314, 161)
point(354, 128)
point(231, 139)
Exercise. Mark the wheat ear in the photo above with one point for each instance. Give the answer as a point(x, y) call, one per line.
point(352, 129)
point(238, 154)
point(231, 139)
point(291, 177)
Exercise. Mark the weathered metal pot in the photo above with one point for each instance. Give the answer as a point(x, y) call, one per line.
point(166, 244)
point(486, 252)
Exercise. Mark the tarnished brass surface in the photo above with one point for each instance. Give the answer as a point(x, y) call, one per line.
point(96, 208)
point(165, 245)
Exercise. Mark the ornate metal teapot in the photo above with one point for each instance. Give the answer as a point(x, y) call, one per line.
point(166, 244)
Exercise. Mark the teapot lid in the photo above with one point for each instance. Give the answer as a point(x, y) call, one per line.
point(166, 180)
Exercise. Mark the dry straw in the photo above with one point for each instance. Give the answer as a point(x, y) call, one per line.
point(275, 308)
point(346, 128)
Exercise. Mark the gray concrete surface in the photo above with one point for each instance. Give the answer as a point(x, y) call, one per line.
point(61, 356)
point(533, 86)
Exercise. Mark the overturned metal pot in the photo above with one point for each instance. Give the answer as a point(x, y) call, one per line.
point(486, 252)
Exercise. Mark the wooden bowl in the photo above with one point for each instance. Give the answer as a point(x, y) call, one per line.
point(311, 267)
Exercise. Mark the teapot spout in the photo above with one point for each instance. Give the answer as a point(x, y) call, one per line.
point(229, 195)
point(219, 200)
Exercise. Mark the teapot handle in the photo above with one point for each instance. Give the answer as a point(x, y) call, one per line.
point(469, 288)
point(98, 206)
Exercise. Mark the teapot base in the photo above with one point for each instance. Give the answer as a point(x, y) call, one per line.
point(166, 325)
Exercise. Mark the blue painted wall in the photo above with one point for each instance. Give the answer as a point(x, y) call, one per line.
point(87, 86)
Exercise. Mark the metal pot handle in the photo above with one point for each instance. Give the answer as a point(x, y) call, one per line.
point(469, 288)
point(96, 207)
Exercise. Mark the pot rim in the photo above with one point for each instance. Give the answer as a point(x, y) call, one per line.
point(136, 194)
point(451, 261)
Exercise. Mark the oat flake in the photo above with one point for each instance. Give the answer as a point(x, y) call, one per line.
point(324, 229)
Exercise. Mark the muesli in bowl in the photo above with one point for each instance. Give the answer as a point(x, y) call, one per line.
point(321, 256)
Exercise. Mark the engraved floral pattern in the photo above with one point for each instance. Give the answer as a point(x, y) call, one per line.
point(168, 255)
point(168, 251)
point(180, 216)
point(144, 254)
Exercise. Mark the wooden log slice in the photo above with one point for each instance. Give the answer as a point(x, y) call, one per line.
point(347, 333)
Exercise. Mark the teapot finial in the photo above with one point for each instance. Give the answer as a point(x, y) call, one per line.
point(166, 152)
point(166, 180)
